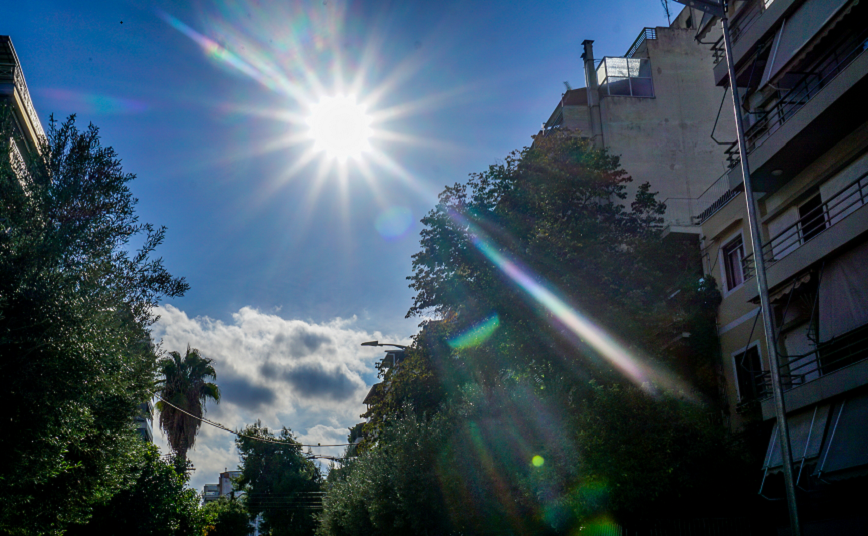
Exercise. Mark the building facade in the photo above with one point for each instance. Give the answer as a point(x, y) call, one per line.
point(801, 69)
point(664, 107)
point(658, 108)
point(16, 97)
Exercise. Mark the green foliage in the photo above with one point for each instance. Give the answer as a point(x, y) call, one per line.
point(184, 385)
point(280, 481)
point(227, 517)
point(159, 503)
point(75, 311)
point(500, 418)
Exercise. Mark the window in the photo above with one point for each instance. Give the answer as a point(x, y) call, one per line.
point(811, 218)
point(749, 374)
point(733, 255)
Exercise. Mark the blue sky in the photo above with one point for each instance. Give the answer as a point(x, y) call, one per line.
point(273, 258)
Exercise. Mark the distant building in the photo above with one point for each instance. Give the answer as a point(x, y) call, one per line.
point(227, 483)
point(144, 422)
point(210, 492)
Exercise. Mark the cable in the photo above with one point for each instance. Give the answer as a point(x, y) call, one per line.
point(264, 440)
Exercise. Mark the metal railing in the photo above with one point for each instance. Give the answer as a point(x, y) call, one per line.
point(12, 72)
point(645, 35)
point(746, 17)
point(797, 370)
point(715, 197)
point(785, 103)
point(811, 224)
point(679, 211)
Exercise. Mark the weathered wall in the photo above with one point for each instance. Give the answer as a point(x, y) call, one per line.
point(666, 140)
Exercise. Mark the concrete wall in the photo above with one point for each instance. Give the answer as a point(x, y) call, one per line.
point(666, 140)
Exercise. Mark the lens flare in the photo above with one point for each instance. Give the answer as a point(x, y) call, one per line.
point(93, 103)
point(394, 222)
point(538, 461)
point(477, 334)
point(639, 373)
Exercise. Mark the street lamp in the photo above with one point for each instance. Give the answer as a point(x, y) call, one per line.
point(377, 343)
point(718, 8)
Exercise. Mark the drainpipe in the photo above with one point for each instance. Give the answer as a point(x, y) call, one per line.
point(593, 92)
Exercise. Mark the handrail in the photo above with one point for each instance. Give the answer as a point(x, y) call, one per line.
point(13, 70)
point(828, 357)
point(647, 33)
point(788, 103)
point(811, 224)
point(745, 18)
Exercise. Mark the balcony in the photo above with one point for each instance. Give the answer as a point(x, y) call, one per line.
point(833, 368)
point(812, 224)
point(782, 104)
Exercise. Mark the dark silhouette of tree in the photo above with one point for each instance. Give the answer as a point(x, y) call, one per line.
point(185, 384)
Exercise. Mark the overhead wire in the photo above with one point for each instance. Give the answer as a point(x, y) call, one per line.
point(263, 439)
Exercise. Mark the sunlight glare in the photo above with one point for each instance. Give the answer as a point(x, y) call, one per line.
point(340, 127)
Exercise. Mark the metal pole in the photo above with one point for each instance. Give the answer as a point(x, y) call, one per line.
point(762, 284)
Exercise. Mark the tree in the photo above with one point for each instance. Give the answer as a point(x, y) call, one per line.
point(546, 429)
point(159, 503)
point(227, 516)
point(184, 385)
point(76, 308)
point(281, 483)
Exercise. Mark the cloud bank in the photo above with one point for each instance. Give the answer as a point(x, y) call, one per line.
point(306, 376)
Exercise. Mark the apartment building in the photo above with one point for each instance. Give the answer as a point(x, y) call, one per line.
point(658, 107)
point(15, 95)
point(802, 71)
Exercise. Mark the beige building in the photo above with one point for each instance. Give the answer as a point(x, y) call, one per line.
point(801, 69)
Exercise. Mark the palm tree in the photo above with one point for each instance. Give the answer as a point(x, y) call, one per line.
point(185, 385)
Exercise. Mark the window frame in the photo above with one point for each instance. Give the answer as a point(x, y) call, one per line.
point(733, 357)
point(723, 260)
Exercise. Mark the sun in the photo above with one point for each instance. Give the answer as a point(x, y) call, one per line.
point(340, 127)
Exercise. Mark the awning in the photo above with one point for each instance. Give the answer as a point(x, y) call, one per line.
point(807, 429)
point(847, 448)
point(800, 28)
point(806, 436)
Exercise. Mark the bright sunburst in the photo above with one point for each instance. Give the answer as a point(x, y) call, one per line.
point(340, 127)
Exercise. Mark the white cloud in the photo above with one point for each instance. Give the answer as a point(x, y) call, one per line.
point(308, 377)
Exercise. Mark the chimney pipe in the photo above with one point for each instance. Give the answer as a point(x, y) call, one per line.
point(593, 93)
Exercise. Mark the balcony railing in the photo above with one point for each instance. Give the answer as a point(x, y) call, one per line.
point(797, 370)
point(746, 17)
point(647, 33)
point(811, 224)
point(12, 72)
point(785, 103)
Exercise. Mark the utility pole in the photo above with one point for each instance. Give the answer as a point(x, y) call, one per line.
point(719, 8)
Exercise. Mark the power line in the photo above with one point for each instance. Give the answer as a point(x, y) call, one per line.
point(263, 439)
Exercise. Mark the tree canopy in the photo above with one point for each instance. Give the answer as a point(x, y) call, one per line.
point(184, 385)
point(280, 482)
point(76, 305)
point(159, 503)
point(551, 364)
